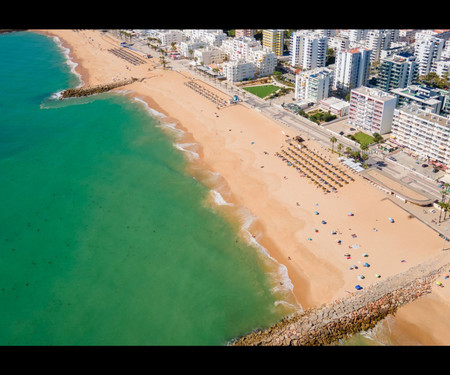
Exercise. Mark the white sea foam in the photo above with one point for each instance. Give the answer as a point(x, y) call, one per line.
point(218, 199)
point(71, 63)
point(152, 111)
point(183, 147)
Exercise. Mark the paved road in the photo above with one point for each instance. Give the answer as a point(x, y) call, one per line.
point(302, 126)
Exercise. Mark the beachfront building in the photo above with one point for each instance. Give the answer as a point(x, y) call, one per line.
point(425, 134)
point(338, 43)
point(335, 106)
point(187, 48)
point(371, 110)
point(351, 69)
point(274, 40)
point(246, 50)
point(425, 97)
point(238, 70)
point(397, 71)
point(313, 85)
point(308, 49)
point(209, 55)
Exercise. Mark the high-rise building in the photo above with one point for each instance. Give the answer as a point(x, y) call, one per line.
point(351, 68)
point(397, 71)
point(427, 49)
point(274, 39)
point(308, 50)
point(239, 33)
point(371, 110)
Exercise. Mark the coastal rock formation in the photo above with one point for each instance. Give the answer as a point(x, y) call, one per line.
point(327, 324)
point(82, 91)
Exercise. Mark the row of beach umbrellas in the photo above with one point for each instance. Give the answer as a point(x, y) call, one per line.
point(206, 93)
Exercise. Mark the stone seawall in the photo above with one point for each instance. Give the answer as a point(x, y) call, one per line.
point(327, 324)
point(86, 91)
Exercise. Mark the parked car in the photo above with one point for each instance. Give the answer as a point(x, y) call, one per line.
point(392, 158)
point(424, 165)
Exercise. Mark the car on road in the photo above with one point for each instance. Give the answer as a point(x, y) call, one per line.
point(424, 165)
point(392, 158)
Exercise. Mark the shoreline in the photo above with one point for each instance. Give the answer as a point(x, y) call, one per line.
point(317, 272)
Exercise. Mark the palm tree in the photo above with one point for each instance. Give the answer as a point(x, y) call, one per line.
point(363, 147)
point(333, 140)
point(339, 147)
point(348, 150)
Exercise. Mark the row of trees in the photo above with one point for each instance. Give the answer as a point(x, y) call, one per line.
point(445, 206)
point(355, 154)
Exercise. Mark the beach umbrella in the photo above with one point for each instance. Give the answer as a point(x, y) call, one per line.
point(350, 214)
point(358, 287)
point(391, 219)
point(366, 265)
point(324, 222)
point(316, 212)
point(309, 239)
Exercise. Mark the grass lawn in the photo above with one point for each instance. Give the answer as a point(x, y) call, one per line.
point(364, 138)
point(261, 91)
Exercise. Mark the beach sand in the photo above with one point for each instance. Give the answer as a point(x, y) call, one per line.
point(239, 144)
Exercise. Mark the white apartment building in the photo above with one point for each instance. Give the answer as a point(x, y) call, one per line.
point(212, 37)
point(313, 84)
point(308, 49)
point(424, 133)
point(427, 49)
point(238, 70)
point(187, 48)
point(377, 41)
point(351, 68)
point(338, 43)
point(209, 55)
point(371, 110)
point(244, 51)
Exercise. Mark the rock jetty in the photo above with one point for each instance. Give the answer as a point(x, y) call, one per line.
point(327, 324)
point(86, 91)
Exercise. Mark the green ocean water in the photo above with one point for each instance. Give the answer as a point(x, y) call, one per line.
point(105, 238)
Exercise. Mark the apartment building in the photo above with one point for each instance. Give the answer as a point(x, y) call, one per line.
point(274, 40)
point(238, 70)
point(371, 110)
point(424, 133)
point(212, 37)
point(351, 68)
point(427, 49)
point(209, 55)
point(239, 33)
point(308, 49)
point(313, 85)
point(397, 71)
point(428, 98)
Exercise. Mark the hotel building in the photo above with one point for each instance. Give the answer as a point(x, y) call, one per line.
point(371, 110)
point(424, 133)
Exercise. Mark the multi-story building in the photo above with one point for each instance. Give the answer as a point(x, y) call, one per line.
point(313, 84)
point(376, 41)
point(212, 37)
point(424, 133)
point(308, 50)
point(274, 40)
point(427, 49)
point(209, 55)
point(351, 68)
point(239, 33)
point(422, 96)
point(371, 110)
point(397, 71)
point(238, 70)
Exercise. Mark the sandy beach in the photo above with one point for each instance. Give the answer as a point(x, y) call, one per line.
point(240, 145)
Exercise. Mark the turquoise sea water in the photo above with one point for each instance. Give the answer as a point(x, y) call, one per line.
point(105, 237)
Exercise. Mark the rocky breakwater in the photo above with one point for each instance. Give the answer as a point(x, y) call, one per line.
point(327, 324)
point(86, 91)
